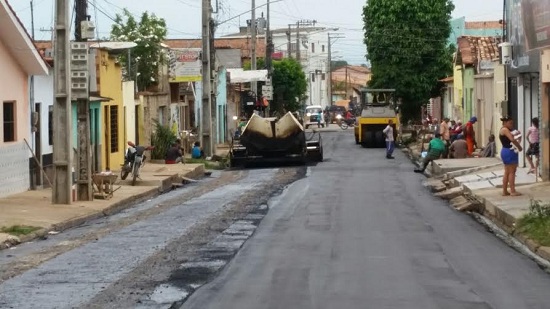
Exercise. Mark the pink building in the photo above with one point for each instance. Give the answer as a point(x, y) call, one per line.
point(19, 59)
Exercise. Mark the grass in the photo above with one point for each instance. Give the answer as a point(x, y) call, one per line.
point(536, 224)
point(19, 230)
point(210, 165)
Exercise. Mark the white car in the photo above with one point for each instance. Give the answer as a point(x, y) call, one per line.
point(314, 116)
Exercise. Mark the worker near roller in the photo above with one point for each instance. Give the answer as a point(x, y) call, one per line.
point(390, 144)
point(435, 151)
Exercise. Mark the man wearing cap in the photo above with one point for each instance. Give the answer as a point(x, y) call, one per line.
point(470, 135)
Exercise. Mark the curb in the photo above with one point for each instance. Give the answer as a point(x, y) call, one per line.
point(166, 186)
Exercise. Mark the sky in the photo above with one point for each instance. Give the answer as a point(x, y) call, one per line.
point(183, 17)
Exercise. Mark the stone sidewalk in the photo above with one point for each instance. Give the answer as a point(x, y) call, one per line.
point(34, 208)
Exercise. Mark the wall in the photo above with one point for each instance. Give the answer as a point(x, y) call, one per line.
point(499, 99)
point(457, 95)
point(468, 92)
point(43, 93)
point(151, 104)
point(112, 128)
point(129, 111)
point(14, 163)
point(221, 102)
point(484, 106)
point(545, 114)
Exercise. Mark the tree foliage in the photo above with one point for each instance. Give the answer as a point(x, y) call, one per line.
point(147, 57)
point(289, 86)
point(336, 64)
point(407, 48)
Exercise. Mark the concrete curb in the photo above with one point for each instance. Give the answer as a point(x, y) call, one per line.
point(166, 186)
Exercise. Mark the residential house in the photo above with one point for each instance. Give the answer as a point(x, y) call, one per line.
point(461, 27)
point(525, 100)
point(448, 108)
point(477, 58)
point(19, 60)
point(347, 82)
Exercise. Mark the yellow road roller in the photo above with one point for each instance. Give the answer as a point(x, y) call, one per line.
point(378, 107)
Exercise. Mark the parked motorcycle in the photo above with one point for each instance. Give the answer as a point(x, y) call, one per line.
point(345, 123)
point(134, 159)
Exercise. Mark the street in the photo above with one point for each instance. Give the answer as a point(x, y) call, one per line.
point(355, 231)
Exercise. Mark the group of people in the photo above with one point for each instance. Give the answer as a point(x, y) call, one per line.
point(464, 144)
point(175, 154)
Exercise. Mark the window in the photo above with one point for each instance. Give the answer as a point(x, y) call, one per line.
point(323, 76)
point(293, 47)
point(312, 77)
point(312, 47)
point(114, 127)
point(50, 125)
point(9, 121)
point(323, 48)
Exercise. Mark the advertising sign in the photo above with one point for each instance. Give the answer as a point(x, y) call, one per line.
point(185, 65)
point(536, 23)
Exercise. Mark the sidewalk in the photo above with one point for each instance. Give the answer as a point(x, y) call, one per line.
point(34, 208)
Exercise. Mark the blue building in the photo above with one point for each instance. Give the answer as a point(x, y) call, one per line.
point(461, 27)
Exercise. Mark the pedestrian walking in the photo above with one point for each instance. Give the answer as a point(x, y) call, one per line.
point(509, 156)
point(470, 135)
point(533, 150)
point(435, 150)
point(390, 143)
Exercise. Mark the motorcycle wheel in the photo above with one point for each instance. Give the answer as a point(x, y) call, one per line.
point(344, 125)
point(135, 172)
point(124, 172)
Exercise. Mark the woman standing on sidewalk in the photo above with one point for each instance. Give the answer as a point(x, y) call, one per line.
point(509, 156)
point(533, 139)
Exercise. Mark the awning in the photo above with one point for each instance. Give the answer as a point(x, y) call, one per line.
point(237, 76)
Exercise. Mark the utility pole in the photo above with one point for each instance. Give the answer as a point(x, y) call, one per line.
point(206, 125)
point(37, 173)
point(84, 166)
point(213, 86)
point(329, 83)
point(253, 85)
point(289, 46)
point(269, 45)
point(61, 193)
point(298, 41)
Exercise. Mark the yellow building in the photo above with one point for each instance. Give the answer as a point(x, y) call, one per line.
point(109, 84)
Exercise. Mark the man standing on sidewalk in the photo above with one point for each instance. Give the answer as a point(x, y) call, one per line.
point(390, 144)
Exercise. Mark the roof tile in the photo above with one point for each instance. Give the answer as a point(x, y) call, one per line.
point(475, 48)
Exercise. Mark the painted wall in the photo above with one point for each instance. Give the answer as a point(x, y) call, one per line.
point(129, 103)
point(110, 85)
point(499, 99)
point(468, 91)
point(448, 106)
point(484, 106)
point(221, 102)
point(458, 28)
point(14, 166)
point(458, 92)
point(43, 93)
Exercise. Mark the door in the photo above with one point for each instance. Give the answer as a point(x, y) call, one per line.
point(107, 137)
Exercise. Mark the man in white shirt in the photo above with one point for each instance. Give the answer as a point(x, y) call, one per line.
point(390, 145)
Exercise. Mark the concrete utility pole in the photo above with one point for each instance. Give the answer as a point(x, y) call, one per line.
point(37, 173)
point(213, 86)
point(61, 193)
point(269, 45)
point(206, 121)
point(329, 82)
point(289, 46)
point(84, 168)
point(253, 85)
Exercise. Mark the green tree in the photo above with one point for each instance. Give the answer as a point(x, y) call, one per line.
point(336, 64)
point(260, 64)
point(289, 86)
point(147, 57)
point(407, 48)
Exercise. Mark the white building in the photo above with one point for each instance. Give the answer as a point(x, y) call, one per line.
point(313, 53)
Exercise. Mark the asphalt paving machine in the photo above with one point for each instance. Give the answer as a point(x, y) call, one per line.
point(275, 140)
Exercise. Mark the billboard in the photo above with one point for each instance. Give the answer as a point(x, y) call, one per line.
point(185, 65)
point(536, 23)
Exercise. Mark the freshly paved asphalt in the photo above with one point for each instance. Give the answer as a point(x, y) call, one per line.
point(360, 231)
